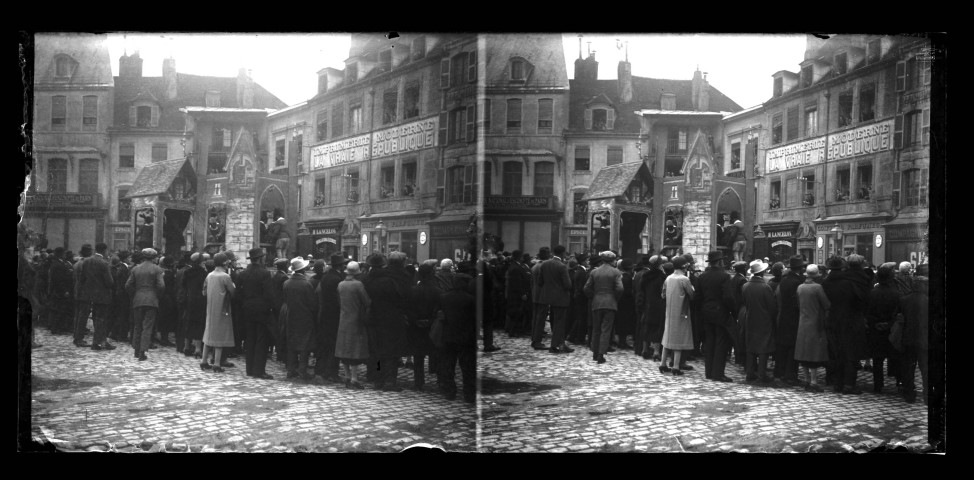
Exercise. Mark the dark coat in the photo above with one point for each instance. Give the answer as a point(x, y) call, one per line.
point(916, 316)
point(280, 310)
point(78, 272)
point(146, 285)
point(61, 282)
point(555, 283)
point(712, 287)
point(651, 286)
point(626, 313)
point(848, 293)
point(302, 311)
point(517, 285)
point(759, 322)
point(389, 290)
point(788, 311)
point(734, 297)
point(121, 299)
point(442, 278)
point(98, 282)
point(195, 301)
point(604, 287)
point(255, 292)
point(425, 301)
point(166, 318)
point(460, 314)
point(884, 304)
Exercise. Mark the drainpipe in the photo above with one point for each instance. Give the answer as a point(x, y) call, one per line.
point(825, 161)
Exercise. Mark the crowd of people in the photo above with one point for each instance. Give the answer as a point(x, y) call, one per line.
point(374, 316)
point(832, 316)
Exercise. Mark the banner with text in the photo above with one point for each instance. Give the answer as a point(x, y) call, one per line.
point(850, 143)
point(350, 150)
point(404, 138)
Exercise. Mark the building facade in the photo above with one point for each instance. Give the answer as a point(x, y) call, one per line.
point(69, 192)
point(847, 152)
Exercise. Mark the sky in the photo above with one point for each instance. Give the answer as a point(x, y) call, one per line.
point(740, 66)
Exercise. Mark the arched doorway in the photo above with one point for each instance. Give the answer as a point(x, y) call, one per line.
point(729, 207)
point(631, 230)
point(272, 207)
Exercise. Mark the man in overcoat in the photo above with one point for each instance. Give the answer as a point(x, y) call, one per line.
point(555, 294)
point(603, 288)
point(192, 284)
point(848, 292)
point(517, 288)
point(329, 313)
point(735, 296)
point(459, 340)
point(302, 311)
point(389, 287)
point(581, 311)
point(60, 292)
point(98, 285)
point(717, 321)
point(280, 310)
point(82, 304)
point(759, 323)
point(146, 286)
point(789, 313)
point(121, 303)
point(256, 297)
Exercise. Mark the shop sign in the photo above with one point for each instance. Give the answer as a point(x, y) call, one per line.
point(905, 232)
point(63, 199)
point(350, 150)
point(404, 138)
point(577, 233)
point(325, 240)
point(422, 238)
point(324, 231)
point(799, 154)
point(781, 242)
point(781, 234)
point(456, 229)
point(858, 227)
point(395, 222)
point(516, 201)
point(861, 141)
point(821, 241)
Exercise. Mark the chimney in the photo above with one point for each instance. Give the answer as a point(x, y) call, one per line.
point(625, 81)
point(130, 66)
point(169, 75)
point(587, 69)
point(704, 95)
point(245, 89)
point(695, 87)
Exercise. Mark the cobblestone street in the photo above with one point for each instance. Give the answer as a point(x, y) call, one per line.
point(101, 401)
point(535, 401)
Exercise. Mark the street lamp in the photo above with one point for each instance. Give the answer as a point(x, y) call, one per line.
point(837, 231)
point(381, 229)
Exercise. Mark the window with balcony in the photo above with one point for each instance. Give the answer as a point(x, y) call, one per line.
point(390, 102)
point(320, 197)
point(337, 117)
point(845, 109)
point(842, 183)
point(511, 178)
point(545, 109)
point(143, 116)
point(867, 102)
point(775, 195)
point(59, 112)
point(580, 212)
point(777, 130)
point(90, 113)
point(411, 100)
point(793, 123)
point(160, 152)
point(124, 213)
point(864, 181)
point(514, 115)
point(321, 128)
point(808, 190)
point(57, 175)
point(88, 176)
point(811, 121)
point(126, 155)
point(355, 118)
point(582, 157)
point(408, 187)
point(735, 157)
point(841, 63)
point(387, 181)
point(279, 152)
point(544, 179)
point(613, 156)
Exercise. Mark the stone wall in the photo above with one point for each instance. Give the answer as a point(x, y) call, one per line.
point(697, 224)
point(240, 228)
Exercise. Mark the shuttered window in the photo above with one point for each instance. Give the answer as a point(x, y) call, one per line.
point(793, 123)
point(545, 106)
point(59, 112)
point(514, 115)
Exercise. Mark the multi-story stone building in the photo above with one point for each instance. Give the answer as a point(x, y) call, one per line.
point(386, 138)
point(525, 114)
point(186, 160)
point(846, 152)
point(70, 183)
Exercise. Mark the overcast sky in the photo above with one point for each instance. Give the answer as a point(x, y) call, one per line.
point(740, 66)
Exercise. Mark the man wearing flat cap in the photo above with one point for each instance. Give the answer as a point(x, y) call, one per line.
point(604, 288)
point(145, 285)
point(717, 321)
point(785, 366)
point(256, 299)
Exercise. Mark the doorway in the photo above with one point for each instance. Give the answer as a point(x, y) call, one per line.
point(630, 233)
point(174, 224)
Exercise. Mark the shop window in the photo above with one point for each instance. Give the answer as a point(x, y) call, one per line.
point(514, 115)
point(279, 148)
point(486, 115)
point(408, 188)
point(411, 100)
point(841, 63)
point(864, 179)
point(873, 51)
point(59, 112)
point(511, 180)
point(775, 195)
point(735, 159)
point(582, 155)
point(321, 128)
point(806, 76)
point(842, 183)
point(867, 102)
point(90, 113)
point(808, 190)
point(776, 129)
point(864, 247)
point(143, 116)
point(387, 185)
point(777, 89)
point(88, 176)
point(337, 117)
point(613, 156)
point(791, 192)
point(408, 244)
point(544, 115)
point(353, 187)
point(915, 187)
point(811, 121)
point(544, 179)
point(126, 155)
point(320, 191)
point(418, 48)
point(793, 123)
point(845, 109)
point(580, 212)
point(335, 189)
point(160, 152)
point(390, 101)
point(355, 118)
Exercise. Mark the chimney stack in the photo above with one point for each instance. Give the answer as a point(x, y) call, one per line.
point(704, 95)
point(625, 81)
point(245, 89)
point(695, 87)
point(130, 66)
point(169, 75)
point(587, 69)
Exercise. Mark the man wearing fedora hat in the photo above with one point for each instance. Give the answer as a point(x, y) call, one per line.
point(329, 315)
point(302, 310)
point(256, 299)
point(848, 292)
point(789, 313)
point(759, 322)
point(714, 308)
point(280, 310)
point(145, 285)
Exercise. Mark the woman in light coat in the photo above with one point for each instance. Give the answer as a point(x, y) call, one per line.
point(218, 289)
point(677, 331)
point(352, 347)
point(811, 346)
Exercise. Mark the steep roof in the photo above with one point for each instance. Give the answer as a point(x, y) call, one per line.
point(613, 181)
point(544, 52)
point(156, 177)
point(645, 95)
point(90, 52)
point(190, 91)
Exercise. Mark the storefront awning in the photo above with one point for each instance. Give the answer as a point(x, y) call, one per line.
point(457, 217)
point(612, 181)
point(156, 177)
point(908, 220)
point(857, 216)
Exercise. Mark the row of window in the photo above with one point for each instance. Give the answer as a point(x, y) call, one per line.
point(800, 190)
point(583, 157)
point(343, 187)
point(514, 115)
point(785, 126)
point(57, 176)
point(296, 150)
point(126, 154)
point(89, 113)
point(390, 112)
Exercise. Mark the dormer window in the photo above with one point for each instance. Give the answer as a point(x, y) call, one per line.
point(841, 63)
point(385, 61)
point(143, 116)
point(62, 67)
point(212, 98)
point(873, 51)
point(419, 47)
point(322, 83)
point(600, 118)
point(778, 86)
point(351, 73)
point(806, 76)
point(518, 70)
point(667, 101)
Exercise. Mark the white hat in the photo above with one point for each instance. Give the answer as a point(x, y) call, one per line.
point(758, 266)
point(299, 263)
point(353, 268)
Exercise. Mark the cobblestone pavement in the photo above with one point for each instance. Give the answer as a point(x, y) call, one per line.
point(109, 401)
point(535, 401)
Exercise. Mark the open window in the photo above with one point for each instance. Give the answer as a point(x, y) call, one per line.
point(321, 128)
point(387, 185)
point(806, 76)
point(867, 102)
point(777, 129)
point(864, 181)
point(811, 121)
point(774, 196)
point(390, 101)
point(842, 181)
point(580, 212)
point(582, 158)
point(845, 109)
point(735, 157)
point(408, 186)
point(411, 100)
point(320, 198)
point(808, 189)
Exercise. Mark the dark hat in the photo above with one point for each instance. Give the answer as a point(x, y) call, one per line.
point(689, 258)
point(884, 274)
point(835, 263)
point(337, 260)
point(220, 259)
point(625, 264)
point(796, 261)
point(644, 260)
point(594, 259)
point(679, 263)
point(714, 256)
point(668, 268)
point(255, 253)
point(196, 257)
point(377, 260)
point(739, 266)
point(59, 251)
point(282, 263)
point(124, 254)
point(855, 261)
point(777, 268)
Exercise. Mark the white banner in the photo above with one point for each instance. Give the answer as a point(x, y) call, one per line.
point(350, 150)
point(404, 138)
